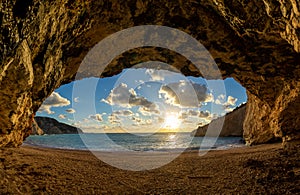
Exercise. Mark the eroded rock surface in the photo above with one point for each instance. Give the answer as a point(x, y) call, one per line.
point(36, 130)
point(257, 42)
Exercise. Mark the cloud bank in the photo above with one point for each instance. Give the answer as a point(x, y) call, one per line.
point(71, 110)
point(54, 100)
point(125, 97)
point(97, 117)
point(185, 94)
point(227, 105)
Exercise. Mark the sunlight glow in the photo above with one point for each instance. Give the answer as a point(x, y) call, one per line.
point(172, 121)
point(171, 137)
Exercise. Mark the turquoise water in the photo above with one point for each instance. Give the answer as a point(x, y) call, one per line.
point(132, 142)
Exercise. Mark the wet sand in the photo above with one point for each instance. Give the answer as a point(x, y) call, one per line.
point(260, 169)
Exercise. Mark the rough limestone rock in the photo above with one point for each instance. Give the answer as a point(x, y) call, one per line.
point(36, 130)
point(52, 126)
point(232, 124)
point(42, 44)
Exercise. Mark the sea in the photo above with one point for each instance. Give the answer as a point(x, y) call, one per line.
point(111, 142)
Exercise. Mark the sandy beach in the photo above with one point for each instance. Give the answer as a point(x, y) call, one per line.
point(260, 169)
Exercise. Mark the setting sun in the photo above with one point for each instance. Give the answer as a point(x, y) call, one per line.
point(172, 121)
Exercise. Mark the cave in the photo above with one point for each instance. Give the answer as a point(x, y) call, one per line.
point(255, 42)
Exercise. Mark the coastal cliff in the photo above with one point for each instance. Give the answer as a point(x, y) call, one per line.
point(232, 126)
point(52, 126)
point(42, 44)
point(36, 130)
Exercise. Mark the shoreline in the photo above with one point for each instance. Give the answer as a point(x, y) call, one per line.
point(247, 170)
point(149, 147)
point(175, 150)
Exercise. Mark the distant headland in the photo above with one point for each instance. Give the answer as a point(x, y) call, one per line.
point(46, 125)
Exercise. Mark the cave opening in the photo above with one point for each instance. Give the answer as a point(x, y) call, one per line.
point(137, 101)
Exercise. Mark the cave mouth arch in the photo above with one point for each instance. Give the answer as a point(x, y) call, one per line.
point(107, 88)
point(144, 91)
point(261, 51)
point(138, 55)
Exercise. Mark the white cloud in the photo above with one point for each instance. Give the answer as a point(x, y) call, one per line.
point(71, 110)
point(86, 120)
point(185, 94)
point(123, 112)
point(209, 98)
point(139, 101)
point(147, 122)
point(54, 100)
point(113, 119)
point(155, 75)
point(188, 122)
point(231, 101)
point(204, 114)
point(222, 96)
point(77, 124)
point(122, 96)
point(97, 117)
point(218, 101)
point(183, 115)
point(149, 109)
point(228, 109)
point(227, 105)
point(87, 124)
point(195, 113)
point(62, 116)
point(201, 124)
point(128, 98)
point(76, 99)
point(138, 121)
point(188, 113)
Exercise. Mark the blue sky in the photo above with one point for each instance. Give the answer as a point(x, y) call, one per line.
point(142, 100)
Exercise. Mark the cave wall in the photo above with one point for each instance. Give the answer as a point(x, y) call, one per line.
point(42, 43)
